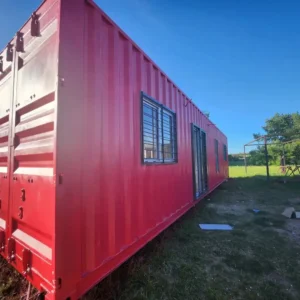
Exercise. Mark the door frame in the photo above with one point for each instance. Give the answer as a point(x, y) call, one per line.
point(193, 126)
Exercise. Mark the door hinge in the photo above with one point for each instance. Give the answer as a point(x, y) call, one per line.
point(20, 42)
point(9, 52)
point(1, 64)
point(56, 284)
point(35, 24)
point(15, 141)
point(60, 179)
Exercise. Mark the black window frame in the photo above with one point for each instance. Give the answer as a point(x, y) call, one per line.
point(217, 156)
point(225, 155)
point(173, 136)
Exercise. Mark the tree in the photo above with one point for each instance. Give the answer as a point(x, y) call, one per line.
point(296, 154)
point(256, 157)
point(207, 114)
point(283, 127)
point(280, 128)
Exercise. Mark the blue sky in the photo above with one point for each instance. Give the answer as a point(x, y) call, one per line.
point(238, 60)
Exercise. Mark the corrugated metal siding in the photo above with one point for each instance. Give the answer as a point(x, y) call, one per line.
point(125, 199)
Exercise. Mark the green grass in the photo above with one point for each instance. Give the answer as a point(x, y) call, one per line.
point(239, 171)
point(259, 259)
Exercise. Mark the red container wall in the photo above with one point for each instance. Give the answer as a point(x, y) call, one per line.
point(128, 198)
point(116, 204)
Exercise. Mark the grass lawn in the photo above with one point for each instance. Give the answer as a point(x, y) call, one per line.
point(259, 259)
point(239, 171)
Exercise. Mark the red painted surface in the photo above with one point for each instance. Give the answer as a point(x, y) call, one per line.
point(76, 200)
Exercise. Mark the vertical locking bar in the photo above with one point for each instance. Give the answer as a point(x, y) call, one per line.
point(2, 241)
point(11, 249)
point(26, 260)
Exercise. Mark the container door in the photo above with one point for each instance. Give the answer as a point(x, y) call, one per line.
point(199, 161)
point(28, 83)
point(32, 195)
point(6, 87)
point(32, 189)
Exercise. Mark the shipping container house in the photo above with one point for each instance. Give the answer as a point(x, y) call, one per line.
point(99, 150)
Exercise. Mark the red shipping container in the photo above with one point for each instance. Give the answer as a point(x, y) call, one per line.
point(99, 150)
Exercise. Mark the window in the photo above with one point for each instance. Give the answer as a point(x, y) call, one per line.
point(225, 152)
point(159, 136)
point(217, 156)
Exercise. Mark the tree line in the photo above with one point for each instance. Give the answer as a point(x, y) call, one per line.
point(280, 130)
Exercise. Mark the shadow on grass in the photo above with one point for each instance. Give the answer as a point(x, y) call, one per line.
point(261, 183)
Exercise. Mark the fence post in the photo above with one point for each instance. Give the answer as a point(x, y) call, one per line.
point(245, 161)
point(267, 158)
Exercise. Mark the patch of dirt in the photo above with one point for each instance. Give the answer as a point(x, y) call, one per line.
point(292, 230)
point(294, 201)
point(235, 209)
point(293, 226)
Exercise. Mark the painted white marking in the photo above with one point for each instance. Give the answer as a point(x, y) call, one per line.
point(35, 171)
point(2, 224)
point(3, 169)
point(33, 243)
